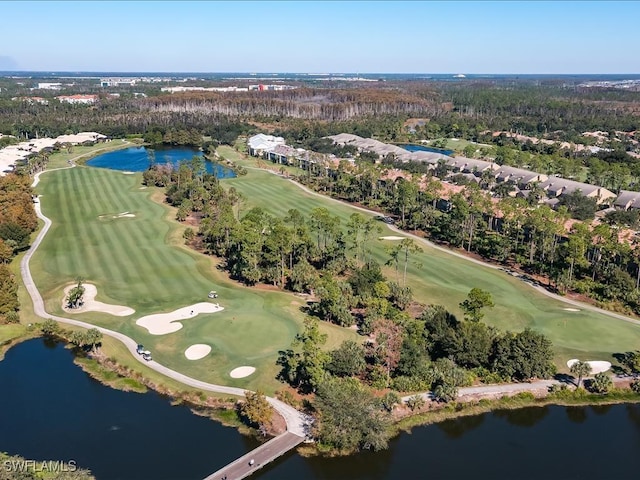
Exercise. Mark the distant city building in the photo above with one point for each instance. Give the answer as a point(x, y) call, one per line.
point(118, 82)
point(258, 88)
point(49, 86)
point(78, 99)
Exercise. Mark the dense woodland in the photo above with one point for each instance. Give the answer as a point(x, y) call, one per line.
point(454, 109)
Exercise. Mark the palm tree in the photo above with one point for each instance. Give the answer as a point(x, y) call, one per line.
point(581, 369)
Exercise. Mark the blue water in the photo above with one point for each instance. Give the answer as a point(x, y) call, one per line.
point(52, 410)
point(138, 159)
point(421, 148)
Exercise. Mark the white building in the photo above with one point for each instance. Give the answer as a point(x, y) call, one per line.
point(49, 86)
point(261, 143)
point(13, 154)
point(118, 82)
point(78, 99)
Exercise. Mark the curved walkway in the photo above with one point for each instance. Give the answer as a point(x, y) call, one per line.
point(297, 422)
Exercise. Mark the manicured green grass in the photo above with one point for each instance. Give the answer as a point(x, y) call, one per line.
point(446, 279)
point(135, 262)
point(81, 154)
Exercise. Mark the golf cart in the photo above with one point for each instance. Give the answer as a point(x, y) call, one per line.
point(213, 294)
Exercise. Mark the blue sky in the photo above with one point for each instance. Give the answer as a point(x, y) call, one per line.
point(322, 37)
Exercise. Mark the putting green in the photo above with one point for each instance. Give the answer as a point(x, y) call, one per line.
point(136, 261)
point(446, 279)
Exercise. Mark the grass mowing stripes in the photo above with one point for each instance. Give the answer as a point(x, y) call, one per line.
point(132, 262)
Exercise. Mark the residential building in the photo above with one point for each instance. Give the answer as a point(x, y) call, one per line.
point(259, 144)
point(627, 199)
point(556, 187)
point(78, 99)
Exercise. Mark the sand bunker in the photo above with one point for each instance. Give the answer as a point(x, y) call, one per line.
point(197, 351)
point(391, 237)
point(163, 323)
point(571, 309)
point(241, 372)
point(117, 215)
point(142, 188)
point(128, 173)
point(90, 304)
point(597, 366)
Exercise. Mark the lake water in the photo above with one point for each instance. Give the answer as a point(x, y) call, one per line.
point(50, 409)
point(138, 159)
point(422, 148)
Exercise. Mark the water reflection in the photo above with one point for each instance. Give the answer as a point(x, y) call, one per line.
point(457, 427)
point(523, 417)
point(576, 414)
point(49, 408)
point(601, 409)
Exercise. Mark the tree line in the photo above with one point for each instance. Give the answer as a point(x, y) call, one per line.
point(17, 222)
point(582, 257)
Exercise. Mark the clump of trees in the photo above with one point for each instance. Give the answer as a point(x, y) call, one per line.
point(435, 352)
point(86, 340)
point(256, 411)
point(17, 222)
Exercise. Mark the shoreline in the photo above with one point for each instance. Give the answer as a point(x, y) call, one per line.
point(102, 369)
point(192, 398)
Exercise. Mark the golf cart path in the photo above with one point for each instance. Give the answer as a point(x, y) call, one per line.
point(430, 244)
point(297, 422)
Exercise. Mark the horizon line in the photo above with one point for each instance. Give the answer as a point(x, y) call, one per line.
point(252, 73)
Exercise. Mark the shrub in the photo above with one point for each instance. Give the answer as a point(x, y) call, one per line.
point(601, 383)
point(416, 402)
point(390, 400)
point(12, 317)
point(409, 384)
point(445, 392)
point(50, 327)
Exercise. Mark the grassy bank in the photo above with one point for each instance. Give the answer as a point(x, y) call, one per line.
point(13, 334)
point(579, 397)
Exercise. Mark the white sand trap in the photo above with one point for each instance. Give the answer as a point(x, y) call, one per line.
point(197, 351)
point(124, 214)
point(128, 173)
point(91, 305)
point(241, 372)
point(391, 237)
point(163, 323)
point(597, 366)
point(142, 188)
point(571, 309)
